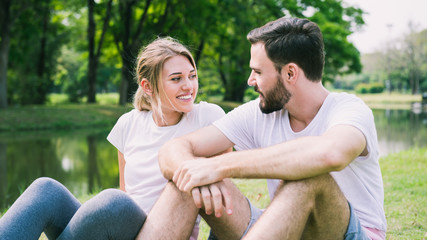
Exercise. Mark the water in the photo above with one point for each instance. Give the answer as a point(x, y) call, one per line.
point(86, 162)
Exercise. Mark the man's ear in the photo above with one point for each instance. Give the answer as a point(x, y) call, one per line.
point(146, 87)
point(290, 72)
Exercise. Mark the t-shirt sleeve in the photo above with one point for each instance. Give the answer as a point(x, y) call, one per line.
point(238, 125)
point(356, 113)
point(117, 134)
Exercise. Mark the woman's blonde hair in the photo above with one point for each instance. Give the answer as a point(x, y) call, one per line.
point(149, 66)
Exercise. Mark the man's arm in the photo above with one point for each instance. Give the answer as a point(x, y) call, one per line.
point(205, 142)
point(200, 145)
point(292, 160)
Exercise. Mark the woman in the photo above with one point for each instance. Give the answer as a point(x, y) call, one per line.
point(164, 109)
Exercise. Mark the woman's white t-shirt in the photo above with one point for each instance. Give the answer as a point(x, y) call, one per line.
point(361, 181)
point(139, 139)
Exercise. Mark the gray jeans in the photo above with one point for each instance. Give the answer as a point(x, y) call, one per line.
point(47, 206)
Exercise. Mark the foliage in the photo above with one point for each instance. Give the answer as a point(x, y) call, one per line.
point(34, 48)
point(400, 66)
point(370, 88)
point(49, 43)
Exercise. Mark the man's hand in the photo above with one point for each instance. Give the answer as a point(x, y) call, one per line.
point(196, 173)
point(213, 198)
point(203, 180)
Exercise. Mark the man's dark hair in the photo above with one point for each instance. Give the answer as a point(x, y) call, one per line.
point(294, 40)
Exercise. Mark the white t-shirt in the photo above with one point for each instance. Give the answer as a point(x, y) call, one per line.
point(361, 181)
point(139, 139)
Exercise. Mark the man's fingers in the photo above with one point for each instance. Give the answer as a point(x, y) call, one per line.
point(197, 197)
point(217, 199)
point(206, 197)
point(226, 197)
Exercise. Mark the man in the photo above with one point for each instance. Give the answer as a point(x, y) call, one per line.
point(318, 149)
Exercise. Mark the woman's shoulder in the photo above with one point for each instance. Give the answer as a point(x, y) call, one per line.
point(205, 107)
point(205, 112)
point(133, 115)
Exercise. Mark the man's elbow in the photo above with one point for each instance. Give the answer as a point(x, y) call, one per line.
point(165, 161)
point(335, 161)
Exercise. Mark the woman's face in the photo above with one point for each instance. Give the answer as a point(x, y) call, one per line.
point(180, 85)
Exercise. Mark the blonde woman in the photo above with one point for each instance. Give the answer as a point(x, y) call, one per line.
point(164, 109)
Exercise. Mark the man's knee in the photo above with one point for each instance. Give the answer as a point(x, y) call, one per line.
point(309, 188)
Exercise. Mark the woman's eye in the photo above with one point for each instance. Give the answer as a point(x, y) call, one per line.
point(193, 76)
point(175, 79)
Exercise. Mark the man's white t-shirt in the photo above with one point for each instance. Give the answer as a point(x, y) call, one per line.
point(139, 139)
point(361, 181)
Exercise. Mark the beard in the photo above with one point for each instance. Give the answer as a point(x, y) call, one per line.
point(275, 99)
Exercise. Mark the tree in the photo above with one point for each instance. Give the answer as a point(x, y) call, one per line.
point(128, 39)
point(5, 25)
point(95, 54)
point(414, 55)
point(238, 17)
point(38, 34)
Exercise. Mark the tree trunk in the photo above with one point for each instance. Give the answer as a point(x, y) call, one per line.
point(93, 63)
point(41, 88)
point(128, 85)
point(95, 54)
point(4, 49)
point(130, 44)
point(234, 93)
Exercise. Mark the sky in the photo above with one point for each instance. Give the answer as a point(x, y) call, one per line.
point(387, 19)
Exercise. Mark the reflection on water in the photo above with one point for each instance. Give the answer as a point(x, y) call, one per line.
point(85, 162)
point(400, 129)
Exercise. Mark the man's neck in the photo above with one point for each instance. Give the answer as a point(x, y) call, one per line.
point(305, 106)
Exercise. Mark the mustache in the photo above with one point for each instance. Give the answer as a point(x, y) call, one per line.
point(256, 89)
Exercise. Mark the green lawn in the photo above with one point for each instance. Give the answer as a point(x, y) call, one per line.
point(405, 190)
point(405, 186)
point(404, 173)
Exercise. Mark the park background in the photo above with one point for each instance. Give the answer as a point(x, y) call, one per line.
point(66, 75)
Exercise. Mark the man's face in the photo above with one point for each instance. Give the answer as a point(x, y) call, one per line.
point(267, 81)
point(275, 98)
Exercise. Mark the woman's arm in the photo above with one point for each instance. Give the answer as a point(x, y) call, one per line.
point(122, 163)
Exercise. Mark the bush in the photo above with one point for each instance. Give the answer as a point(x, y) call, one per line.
point(250, 94)
point(370, 88)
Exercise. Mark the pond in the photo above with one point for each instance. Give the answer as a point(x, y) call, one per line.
point(86, 162)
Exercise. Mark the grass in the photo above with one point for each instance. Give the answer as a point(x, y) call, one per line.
point(405, 190)
point(405, 186)
point(390, 100)
point(58, 114)
point(405, 194)
point(404, 173)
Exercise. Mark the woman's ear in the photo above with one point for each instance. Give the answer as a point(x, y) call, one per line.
point(146, 87)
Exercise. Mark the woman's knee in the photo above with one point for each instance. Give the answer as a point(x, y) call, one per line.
point(119, 204)
point(45, 186)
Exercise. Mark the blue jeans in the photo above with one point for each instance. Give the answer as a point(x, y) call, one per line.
point(354, 229)
point(47, 206)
